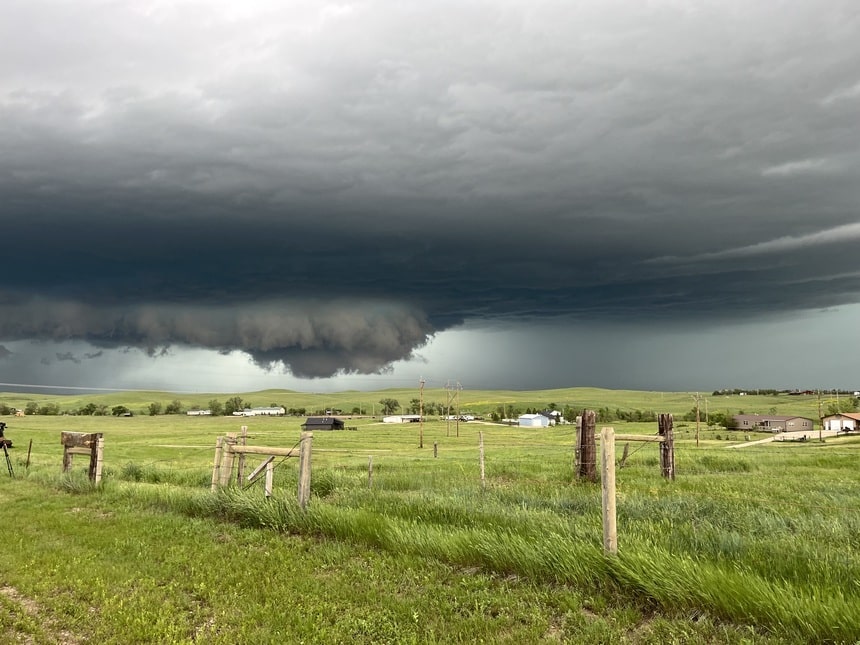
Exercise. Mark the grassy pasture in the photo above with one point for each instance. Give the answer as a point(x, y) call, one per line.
point(756, 545)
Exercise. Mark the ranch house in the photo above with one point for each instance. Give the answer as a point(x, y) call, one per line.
point(772, 423)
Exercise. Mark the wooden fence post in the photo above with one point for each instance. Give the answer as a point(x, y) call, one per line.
point(305, 469)
point(481, 458)
point(607, 448)
point(216, 465)
point(270, 473)
point(435, 449)
point(241, 461)
point(667, 446)
point(227, 458)
point(577, 448)
point(99, 447)
point(587, 448)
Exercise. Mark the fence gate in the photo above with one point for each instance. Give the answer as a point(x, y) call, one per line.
point(80, 443)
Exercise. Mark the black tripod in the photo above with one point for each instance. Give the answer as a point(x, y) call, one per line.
point(3, 442)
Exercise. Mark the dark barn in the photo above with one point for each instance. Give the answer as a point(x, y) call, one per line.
point(323, 423)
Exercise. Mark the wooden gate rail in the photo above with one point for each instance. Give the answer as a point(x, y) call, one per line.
point(227, 449)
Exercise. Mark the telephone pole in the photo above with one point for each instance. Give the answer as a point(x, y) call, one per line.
point(459, 387)
point(696, 399)
point(421, 413)
point(448, 409)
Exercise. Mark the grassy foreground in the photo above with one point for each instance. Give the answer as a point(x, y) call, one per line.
point(758, 545)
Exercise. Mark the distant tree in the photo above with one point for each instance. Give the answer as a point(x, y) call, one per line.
point(119, 410)
point(216, 407)
point(101, 410)
point(154, 409)
point(414, 406)
point(174, 407)
point(389, 406)
point(31, 408)
point(50, 409)
point(356, 410)
point(233, 404)
point(5, 409)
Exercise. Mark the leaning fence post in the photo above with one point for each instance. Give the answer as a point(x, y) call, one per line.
point(305, 469)
point(607, 448)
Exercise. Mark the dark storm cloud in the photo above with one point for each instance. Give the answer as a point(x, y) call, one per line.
point(325, 186)
point(4, 352)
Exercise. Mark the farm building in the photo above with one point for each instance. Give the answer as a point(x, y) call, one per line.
point(261, 412)
point(323, 423)
point(842, 421)
point(402, 418)
point(772, 423)
point(533, 421)
point(199, 413)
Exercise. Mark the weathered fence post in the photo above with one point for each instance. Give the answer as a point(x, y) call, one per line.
point(29, 450)
point(216, 465)
point(607, 448)
point(227, 458)
point(481, 459)
point(241, 461)
point(435, 449)
point(79, 443)
point(305, 469)
point(270, 474)
point(587, 447)
point(99, 456)
point(667, 446)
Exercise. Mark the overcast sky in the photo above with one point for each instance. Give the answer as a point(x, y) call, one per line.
point(223, 195)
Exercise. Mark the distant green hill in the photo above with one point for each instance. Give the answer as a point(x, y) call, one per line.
point(476, 401)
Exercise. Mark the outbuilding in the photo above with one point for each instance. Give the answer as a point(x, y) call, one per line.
point(533, 421)
point(323, 423)
point(844, 421)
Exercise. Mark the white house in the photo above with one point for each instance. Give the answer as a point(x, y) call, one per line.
point(402, 418)
point(533, 421)
point(842, 421)
point(260, 412)
point(199, 413)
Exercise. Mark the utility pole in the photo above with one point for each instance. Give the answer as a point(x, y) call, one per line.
point(448, 409)
point(421, 413)
point(459, 387)
point(696, 398)
point(820, 418)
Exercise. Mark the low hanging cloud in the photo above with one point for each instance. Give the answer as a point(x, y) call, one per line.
point(310, 339)
point(836, 235)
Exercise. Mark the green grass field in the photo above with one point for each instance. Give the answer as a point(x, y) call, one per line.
point(752, 545)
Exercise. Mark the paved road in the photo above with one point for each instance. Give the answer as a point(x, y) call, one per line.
point(788, 436)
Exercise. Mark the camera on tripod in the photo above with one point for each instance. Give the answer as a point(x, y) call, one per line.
point(6, 443)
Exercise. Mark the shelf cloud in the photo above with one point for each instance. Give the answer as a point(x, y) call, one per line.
point(329, 187)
